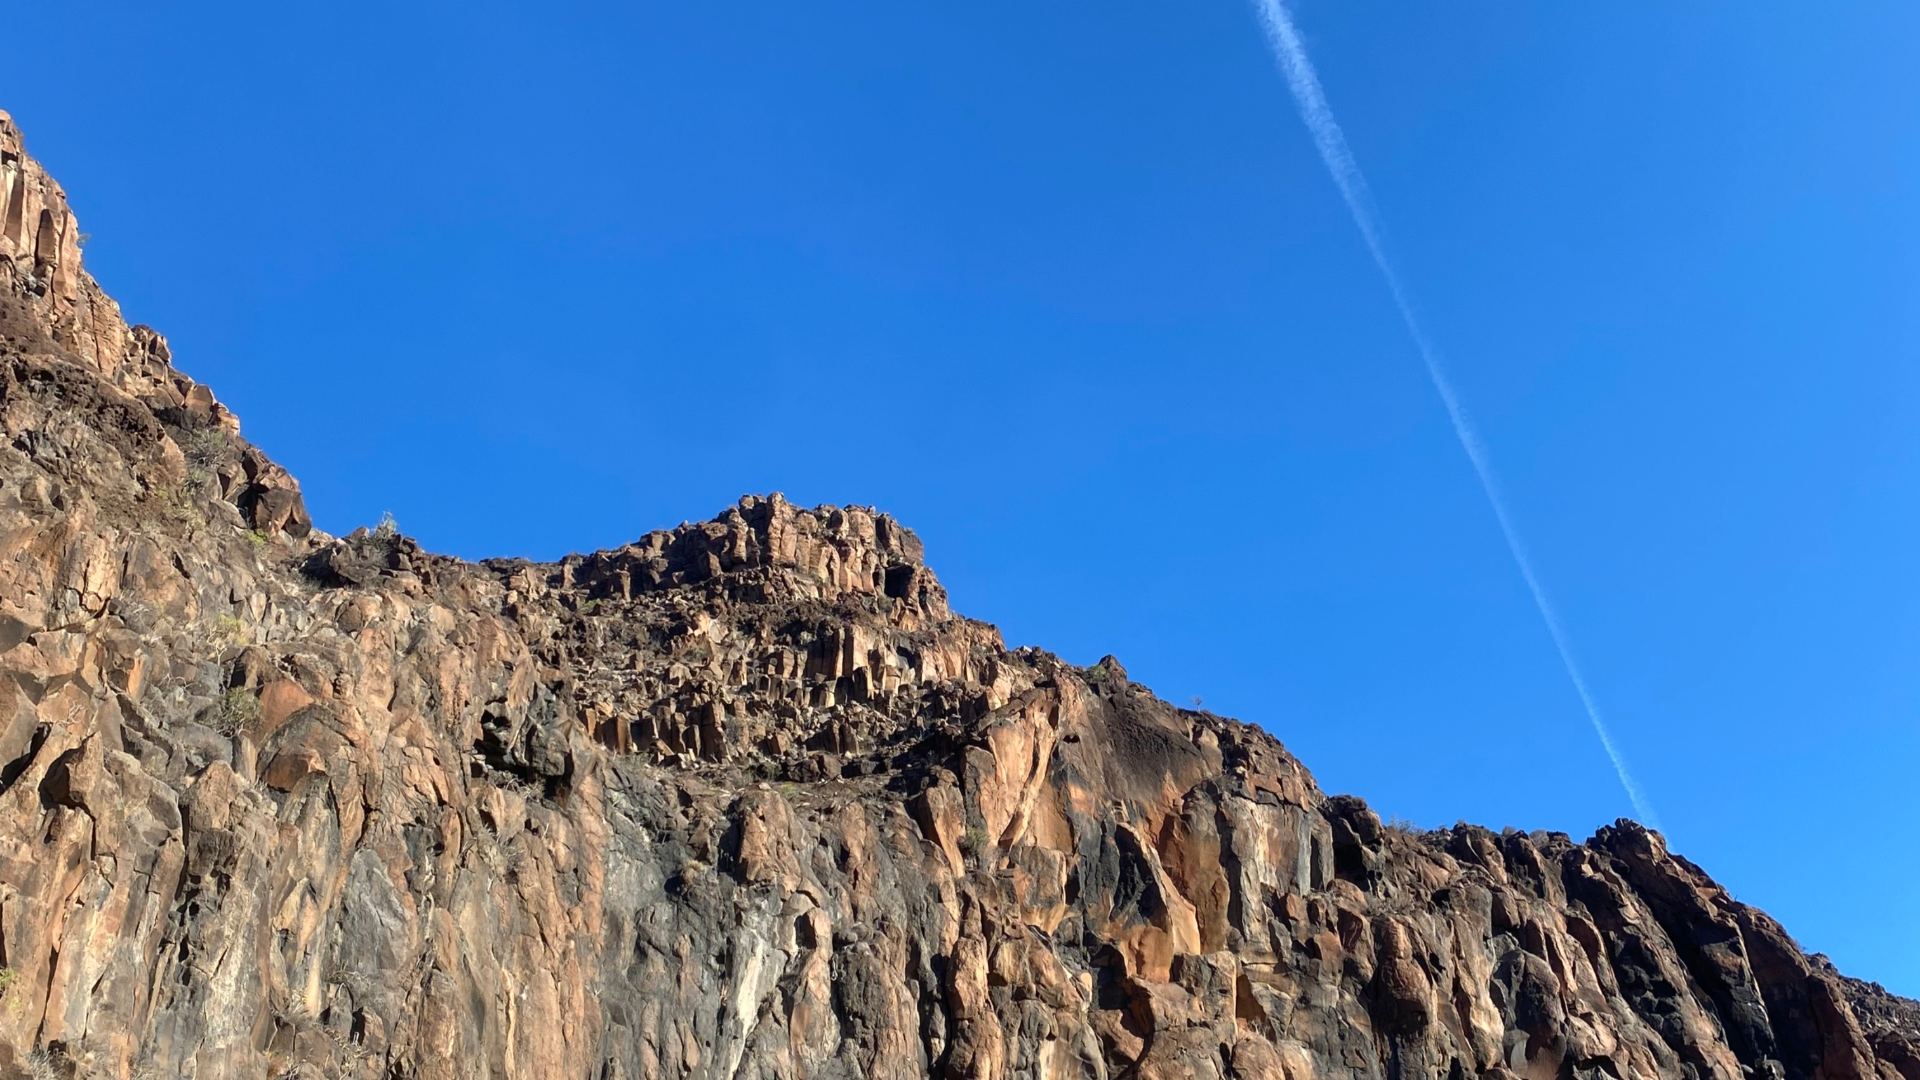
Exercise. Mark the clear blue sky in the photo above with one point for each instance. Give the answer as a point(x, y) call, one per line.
point(1066, 288)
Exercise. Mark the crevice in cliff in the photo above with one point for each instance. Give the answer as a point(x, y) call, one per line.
point(10, 773)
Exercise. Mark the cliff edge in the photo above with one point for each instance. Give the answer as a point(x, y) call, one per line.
point(743, 799)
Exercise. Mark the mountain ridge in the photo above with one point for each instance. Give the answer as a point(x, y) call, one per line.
point(743, 798)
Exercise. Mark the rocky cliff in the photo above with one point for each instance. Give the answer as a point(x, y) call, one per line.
point(743, 799)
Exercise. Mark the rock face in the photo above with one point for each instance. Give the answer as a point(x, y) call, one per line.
point(743, 799)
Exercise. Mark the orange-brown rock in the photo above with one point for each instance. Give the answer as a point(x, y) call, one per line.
point(743, 799)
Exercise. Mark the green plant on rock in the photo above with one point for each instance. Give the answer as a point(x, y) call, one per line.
point(40, 1065)
point(233, 710)
point(204, 445)
point(976, 839)
point(258, 538)
point(1406, 826)
point(8, 977)
point(182, 502)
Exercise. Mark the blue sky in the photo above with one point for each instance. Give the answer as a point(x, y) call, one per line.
point(1067, 289)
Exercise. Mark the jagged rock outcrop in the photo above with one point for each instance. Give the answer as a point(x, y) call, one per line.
point(743, 799)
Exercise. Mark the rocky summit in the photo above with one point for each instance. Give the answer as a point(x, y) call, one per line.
point(742, 799)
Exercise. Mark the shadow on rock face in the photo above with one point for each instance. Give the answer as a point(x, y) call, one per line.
point(741, 799)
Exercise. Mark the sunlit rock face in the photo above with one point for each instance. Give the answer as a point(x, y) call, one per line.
point(742, 799)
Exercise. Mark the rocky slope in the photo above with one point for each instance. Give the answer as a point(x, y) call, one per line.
point(743, 799)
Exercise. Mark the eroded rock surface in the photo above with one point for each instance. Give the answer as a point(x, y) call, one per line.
point(743, 799)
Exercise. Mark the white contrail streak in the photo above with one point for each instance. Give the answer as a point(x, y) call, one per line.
point(1305, 84)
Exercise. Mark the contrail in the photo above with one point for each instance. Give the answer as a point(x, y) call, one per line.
point(1305, 84)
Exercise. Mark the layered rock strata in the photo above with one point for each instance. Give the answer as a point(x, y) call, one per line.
point(743, 799)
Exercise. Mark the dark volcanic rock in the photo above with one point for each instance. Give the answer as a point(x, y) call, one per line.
point(743, 799)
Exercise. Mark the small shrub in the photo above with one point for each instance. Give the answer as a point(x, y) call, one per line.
point(233, 710)
point(204, 444)
point(182, 502)
point(229, 630)
point(975, 839)
point(258, 538)
point(8, 977)
point(388, 530)
point(40, 1065)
